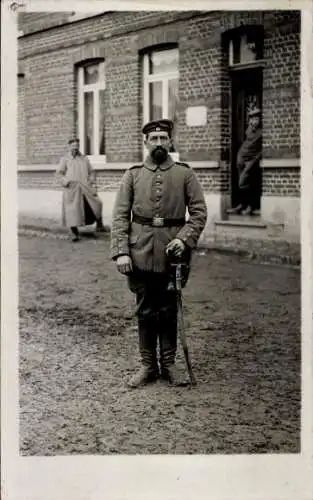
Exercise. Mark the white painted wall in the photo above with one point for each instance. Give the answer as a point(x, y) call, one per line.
point(275, 209)
point(213, 202)
point(108, 199)
point(44, 203)
point(47, 203)
point(283, 210)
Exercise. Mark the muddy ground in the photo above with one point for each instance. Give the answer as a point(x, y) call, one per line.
point(78, 345)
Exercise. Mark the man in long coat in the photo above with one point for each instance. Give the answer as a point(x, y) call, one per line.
point(80, 204)
point(248, 165)
point(149, 225)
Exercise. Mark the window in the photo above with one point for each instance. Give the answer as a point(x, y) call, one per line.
point(91, 108)
point(246, 46)
point(160, 80)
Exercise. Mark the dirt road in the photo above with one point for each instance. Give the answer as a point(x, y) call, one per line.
point(78, 344)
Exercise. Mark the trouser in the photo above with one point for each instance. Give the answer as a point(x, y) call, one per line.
point(250, 188)
point(157, 317)
point(247, 197)
point(74, 230)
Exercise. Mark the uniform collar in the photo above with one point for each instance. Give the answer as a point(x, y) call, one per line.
point(148, 163)
point(79, 155)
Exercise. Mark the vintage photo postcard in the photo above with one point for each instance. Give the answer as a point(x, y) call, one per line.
point(156, 243)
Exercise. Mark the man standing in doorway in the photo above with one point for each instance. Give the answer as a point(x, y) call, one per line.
point(148, 226)
point(248, 165)
point(80, 204)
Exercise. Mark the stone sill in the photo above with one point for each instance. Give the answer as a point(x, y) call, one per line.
point(37, 168)
point(280, 163)
point(205, 165)
point(256, 213)
point(243, 223)
point(100, 165)
point(258, 63)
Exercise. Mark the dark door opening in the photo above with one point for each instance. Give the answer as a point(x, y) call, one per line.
point(246, 94)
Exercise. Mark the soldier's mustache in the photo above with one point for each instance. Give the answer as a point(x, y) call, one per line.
point(159, 154)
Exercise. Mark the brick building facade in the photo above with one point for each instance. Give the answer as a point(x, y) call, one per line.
point(102, 76)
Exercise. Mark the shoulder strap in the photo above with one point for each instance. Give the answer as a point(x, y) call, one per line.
point(135, 166)
point(182, 164)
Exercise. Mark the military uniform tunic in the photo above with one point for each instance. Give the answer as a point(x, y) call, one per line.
point(170, 190)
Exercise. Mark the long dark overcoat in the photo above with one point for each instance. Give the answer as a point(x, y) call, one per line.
point(248, 160)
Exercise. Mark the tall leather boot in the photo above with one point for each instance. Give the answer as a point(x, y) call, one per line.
point(74, 234)
point(147, 347)
point(168, 348)
point(237, 210)
point(99, 226)
point(249, 203)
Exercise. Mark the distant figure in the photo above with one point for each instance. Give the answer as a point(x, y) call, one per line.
point(248, 165)
point(81, 205)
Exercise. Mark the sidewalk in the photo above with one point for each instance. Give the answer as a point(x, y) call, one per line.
point(40, 226)
point(44, 227)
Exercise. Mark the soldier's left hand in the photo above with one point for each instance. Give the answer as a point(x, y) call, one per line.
point(176, 247)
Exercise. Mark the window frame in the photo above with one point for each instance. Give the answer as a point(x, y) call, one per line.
point(236, 35)
point(164, 77)
point(95, 89)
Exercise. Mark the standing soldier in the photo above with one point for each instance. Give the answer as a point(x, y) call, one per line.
point(248, 165)
point(81, 205)
point(149, 224)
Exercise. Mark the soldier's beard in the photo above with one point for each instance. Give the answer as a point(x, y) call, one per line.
point(159, 155)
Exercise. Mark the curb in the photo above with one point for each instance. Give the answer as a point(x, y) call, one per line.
point(202, 249)
point(56, 232)
point(256, 257)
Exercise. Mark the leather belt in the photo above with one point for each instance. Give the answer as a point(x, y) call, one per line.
point(158, 221)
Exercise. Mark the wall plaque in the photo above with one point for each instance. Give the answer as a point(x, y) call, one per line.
point(196, 116)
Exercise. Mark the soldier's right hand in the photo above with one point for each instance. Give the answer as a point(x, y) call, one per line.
point(124, 264)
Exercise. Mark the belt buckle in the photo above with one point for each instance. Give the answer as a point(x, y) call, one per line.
point(157, 221)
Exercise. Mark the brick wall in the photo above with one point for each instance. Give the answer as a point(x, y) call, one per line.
point(47, 97)
point(122, 117)
point(30, 22)
point(107, 180)
point(37, 180)
point(281, 101)
point(281, 92)
point(281, 182)
point(209, 180)
point(49, 111)
point(201, 68)
point(99, 28)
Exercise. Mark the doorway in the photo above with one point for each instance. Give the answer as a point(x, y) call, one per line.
point(247, 87)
